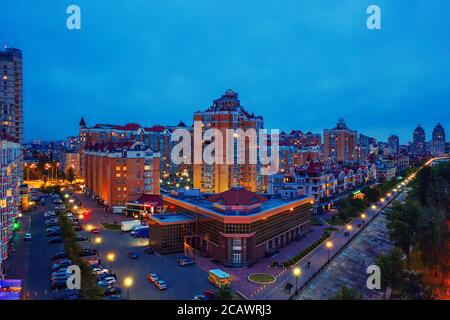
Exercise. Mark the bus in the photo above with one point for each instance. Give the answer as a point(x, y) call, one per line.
point(219, 278)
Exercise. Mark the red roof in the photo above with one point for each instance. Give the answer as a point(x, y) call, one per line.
point(129, 127)
point(110, 146)
point(237, 197)
point(150, 198)
point(156, 128)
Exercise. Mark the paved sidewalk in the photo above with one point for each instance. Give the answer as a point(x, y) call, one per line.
point(318, 259)
point(239, 276)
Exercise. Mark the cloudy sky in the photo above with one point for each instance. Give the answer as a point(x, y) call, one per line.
point(301, 64)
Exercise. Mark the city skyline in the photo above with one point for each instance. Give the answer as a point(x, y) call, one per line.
point(301, 64)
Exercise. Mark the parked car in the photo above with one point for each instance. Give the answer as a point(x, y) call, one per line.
point(88, 252)
point(99, 271)
point(61, 264)
point(160, 284)
point(51, 221)
point(56, 240)
point(27, 237)
point(185, 261)
point(152, 277)
point(81, 238)
point(78, 228)
point(200, 297)
point(95, 230)
point(57, 201)
point(53, 233)
point(133, 255)
point(112, 290)
point(49, 214)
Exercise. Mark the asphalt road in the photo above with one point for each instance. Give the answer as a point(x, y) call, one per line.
point(40, 251)
point(182, 282)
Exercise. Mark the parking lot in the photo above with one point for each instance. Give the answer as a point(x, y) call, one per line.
point(182, 282)
point(39, 254)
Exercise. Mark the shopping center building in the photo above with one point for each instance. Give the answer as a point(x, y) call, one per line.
point(236, 227)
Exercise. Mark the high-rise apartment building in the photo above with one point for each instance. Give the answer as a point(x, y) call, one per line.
point(10, 177)
point(11, 102)
point(394, 143)
point(418, 146)
point(227, 113)
point(340, 143)
point(11, 139)
point(437, 144)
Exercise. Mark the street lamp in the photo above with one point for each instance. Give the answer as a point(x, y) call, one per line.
point(297, 272)
point(363, 217)
point(98, 240)
point(89, 228)
point(329, 245)
point(128, 283)
point(111, 257)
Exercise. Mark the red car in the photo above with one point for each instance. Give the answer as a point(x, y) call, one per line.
point(95, 230)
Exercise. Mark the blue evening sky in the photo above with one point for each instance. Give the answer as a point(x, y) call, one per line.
point(301, 64)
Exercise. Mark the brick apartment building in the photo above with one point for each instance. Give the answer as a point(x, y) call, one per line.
point(340, 143)
point(118, 172)
point(227, 113)
point(236, 227)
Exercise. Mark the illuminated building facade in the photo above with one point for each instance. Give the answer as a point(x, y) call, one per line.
point(10, 177)
point(227, 113)
point(117, 172)
point(340, 143)
point(236, 227)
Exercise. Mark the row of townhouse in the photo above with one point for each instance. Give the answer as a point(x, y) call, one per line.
point(325, 183)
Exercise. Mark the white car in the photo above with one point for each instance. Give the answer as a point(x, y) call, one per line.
point(27, 237)
point(49, 214)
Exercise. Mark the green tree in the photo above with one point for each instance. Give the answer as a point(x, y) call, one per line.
point(402, 226)
point(432, 240)
point(346, 293)
point(70, 175)
point(391, 266)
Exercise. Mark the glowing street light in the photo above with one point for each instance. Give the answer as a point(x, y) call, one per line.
point(98, 241)
point(128, 283)
point(329, 245)
point(111, 257)
point(89, 228)
point(349, 227)
point(297, 273)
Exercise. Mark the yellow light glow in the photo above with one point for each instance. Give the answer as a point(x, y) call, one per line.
point(363, 215)
point(349, 227)
point(111, 257)
point(127, 282)
point(98, 240)
point(329, 244)
point(297, 272)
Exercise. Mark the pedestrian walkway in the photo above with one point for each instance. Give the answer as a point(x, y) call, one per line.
point(316, 261)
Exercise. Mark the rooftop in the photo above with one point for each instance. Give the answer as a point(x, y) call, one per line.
point(170, 218)
point(235, 202)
